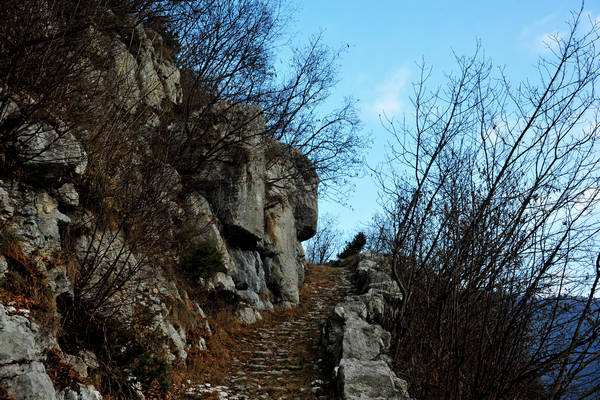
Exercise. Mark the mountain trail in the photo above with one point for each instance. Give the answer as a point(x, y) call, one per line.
point(282, 356)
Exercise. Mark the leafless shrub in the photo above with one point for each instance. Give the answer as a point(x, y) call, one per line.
point(324, 245)
point(491, 198)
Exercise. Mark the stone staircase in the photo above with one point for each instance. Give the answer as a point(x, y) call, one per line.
point(282, 357)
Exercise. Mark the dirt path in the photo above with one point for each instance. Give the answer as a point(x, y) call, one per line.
point(282, 357)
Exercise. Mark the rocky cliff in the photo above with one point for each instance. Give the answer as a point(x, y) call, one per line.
point(72, 273)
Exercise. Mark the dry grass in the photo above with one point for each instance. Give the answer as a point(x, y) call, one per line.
point(233, 343)
point(24, 286)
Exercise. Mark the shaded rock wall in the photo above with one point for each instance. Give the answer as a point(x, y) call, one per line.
point(256, 209)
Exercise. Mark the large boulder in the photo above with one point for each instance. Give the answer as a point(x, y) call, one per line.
point(360, 379)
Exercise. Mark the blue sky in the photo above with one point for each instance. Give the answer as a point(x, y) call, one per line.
point(386, 38)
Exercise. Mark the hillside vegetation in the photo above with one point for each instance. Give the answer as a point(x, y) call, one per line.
point(156, 172)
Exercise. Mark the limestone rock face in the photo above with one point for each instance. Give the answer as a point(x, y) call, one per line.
point(295, 174)
point(68, 195)
point(249, 273)
point(157, 75)
point(283, 264)
point(27, 381)
point(255, 204)
point(290, 216)
point(202, 224)
point(261, 200)
point(141, 77)
point(235, 188)
point(356, 341)
point(22, 347)
point(32, 215)
point(48, 154)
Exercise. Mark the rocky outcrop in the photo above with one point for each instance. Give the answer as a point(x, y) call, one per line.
point(235, 184)
point(355, 339)
point(23, 351)
point(260, 199)
point(140, 77)
point(254, 204)
point(290, 216)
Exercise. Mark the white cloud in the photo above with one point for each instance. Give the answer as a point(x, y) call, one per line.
point(540, 40)
point(390, 94)
point(547, 42)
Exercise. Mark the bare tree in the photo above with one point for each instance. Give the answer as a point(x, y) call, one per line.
point(491, 197)
point(323, 246)
point(227, 58)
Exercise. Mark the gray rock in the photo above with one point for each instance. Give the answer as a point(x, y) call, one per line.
point(6, 208)
point(357, 344)
point(364, 341)
point(202, 225)
point(222, 283)
point(83, 392)
point(249, 272)
point(177, 338)
point(171, 77)
point(27, 381)
point(122, 73)
point(283, 262)
point(7, 108)
point(158, 77)
point(18, 342)
point(151, 88)
point(360, 379)
point(294, 172)
point(107, 257)
point(78, 364)
point(143, 79)
point(35, 217)
point(48, 154)
point(236, 188)
point(349, 335)
point(248, 315)
point(22, 347)
point(254, 300)
point(59, 281)
point(3, 266)
point(68, 195)
point(169, 180)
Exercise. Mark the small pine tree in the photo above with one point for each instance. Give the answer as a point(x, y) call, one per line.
point(354, 247)
point(203, 260)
